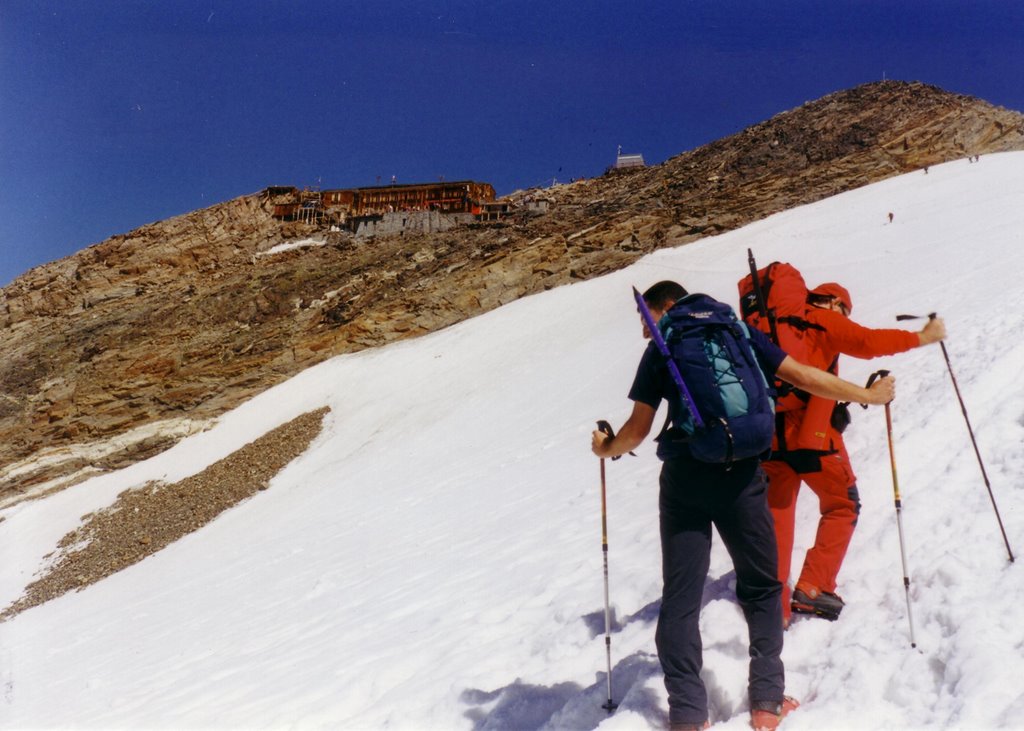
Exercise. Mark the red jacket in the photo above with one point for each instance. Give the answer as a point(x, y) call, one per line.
point(810, 427)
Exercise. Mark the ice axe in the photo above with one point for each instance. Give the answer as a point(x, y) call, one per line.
point(970, 431)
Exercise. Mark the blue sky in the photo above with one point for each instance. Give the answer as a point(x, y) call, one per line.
point(118, 114)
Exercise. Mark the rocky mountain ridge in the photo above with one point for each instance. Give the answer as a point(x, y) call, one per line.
point(121, 349)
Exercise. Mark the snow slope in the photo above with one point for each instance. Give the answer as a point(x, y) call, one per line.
point(434, 561)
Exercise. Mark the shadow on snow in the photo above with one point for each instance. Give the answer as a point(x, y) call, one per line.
point(524, 707)
point(721, 588)
point(520, 706)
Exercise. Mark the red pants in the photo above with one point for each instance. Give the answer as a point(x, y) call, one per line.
point(836, 488)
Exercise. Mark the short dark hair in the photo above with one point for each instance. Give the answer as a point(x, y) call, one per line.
point(662, 293)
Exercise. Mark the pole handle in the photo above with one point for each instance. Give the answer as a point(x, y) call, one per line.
point(605, 428)
point(872, 378)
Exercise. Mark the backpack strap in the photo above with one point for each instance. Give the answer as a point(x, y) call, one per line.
point(800, 323)
point(780, 431)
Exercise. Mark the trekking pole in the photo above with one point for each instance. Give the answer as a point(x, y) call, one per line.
point(970, 431)
point(899, 505)
point(610, 705)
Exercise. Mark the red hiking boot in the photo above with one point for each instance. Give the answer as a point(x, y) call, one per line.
point(809, 600)
point(766, 716)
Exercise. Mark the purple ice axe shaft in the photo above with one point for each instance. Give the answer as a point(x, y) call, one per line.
point(662, 346)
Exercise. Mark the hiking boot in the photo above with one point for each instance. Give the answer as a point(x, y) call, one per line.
point(767, 715)
point(824, 604)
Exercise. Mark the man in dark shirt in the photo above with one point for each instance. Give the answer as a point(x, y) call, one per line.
point(693, 496)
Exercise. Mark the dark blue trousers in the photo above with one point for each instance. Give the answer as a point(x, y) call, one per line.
point(695, 495)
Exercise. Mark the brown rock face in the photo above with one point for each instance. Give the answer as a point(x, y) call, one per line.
point(149, 335)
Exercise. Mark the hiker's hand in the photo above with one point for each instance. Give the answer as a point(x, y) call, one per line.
point(883, 390)
point(933, 332)
point(599, 443)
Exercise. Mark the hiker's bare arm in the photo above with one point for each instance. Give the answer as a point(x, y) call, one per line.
point(634, 431)
point(826, 385)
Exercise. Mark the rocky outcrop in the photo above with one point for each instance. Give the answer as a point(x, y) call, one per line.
point(146, 520)
point(149, 335)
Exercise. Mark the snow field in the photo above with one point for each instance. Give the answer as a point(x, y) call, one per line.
point(434, 560)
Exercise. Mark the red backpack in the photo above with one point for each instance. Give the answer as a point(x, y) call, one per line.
point(776, 303)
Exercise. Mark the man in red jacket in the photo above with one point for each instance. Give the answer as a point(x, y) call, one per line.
point(811, 450)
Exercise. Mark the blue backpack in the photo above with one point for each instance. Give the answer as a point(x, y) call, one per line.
point(711, 348)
